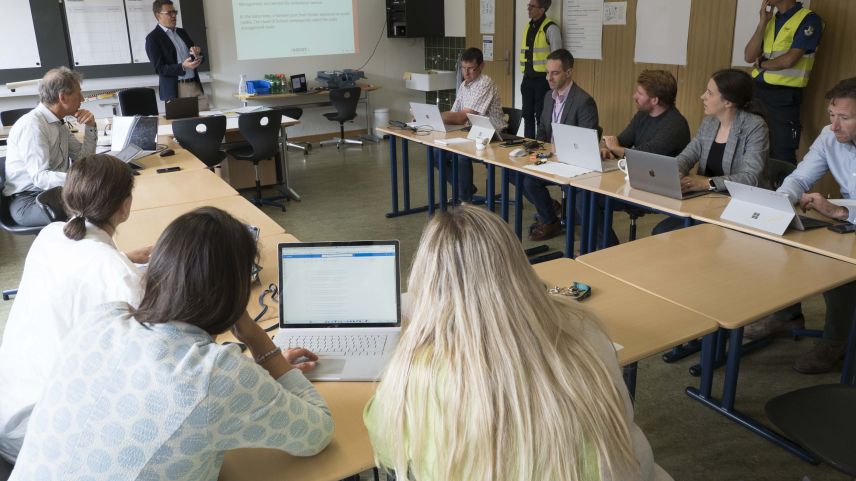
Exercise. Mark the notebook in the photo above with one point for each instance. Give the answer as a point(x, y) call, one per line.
point(342, 301)
point(656, 173)
point(765, 210)
point(181, 108)
point(428, 115)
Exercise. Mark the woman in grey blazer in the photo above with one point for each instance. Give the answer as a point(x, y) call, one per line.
point(732, 142)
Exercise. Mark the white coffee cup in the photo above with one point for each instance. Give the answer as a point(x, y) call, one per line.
point(622, 166)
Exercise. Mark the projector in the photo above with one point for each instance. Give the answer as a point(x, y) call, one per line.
point(336, 79)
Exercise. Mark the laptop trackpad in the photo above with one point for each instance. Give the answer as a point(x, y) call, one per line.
point(327, 367)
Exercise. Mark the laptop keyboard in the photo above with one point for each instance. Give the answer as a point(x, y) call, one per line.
point(350, 345)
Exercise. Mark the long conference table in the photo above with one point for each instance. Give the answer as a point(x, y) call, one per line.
point(728, 272)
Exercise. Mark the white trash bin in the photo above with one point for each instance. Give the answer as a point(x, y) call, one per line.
point(381, 119)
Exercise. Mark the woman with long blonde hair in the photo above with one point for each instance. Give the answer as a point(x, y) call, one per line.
point(495, 379)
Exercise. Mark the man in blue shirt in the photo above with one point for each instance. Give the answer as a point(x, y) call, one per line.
point(833, 151)
point(783, 49)
point(173, 54)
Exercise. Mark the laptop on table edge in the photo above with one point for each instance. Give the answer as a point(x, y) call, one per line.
point(656, 173)
point(428, 115)
point(765, 210)
point(341, 300)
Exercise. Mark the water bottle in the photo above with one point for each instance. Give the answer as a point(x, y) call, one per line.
point(242, 85)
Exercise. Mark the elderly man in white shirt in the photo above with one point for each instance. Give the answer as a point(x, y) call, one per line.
point(833, 151)
point(40, 146)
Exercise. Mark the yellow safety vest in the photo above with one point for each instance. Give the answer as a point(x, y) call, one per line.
point(778, 45)
point(540, 47)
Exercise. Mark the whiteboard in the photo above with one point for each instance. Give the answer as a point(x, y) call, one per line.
point(662, 31)
point(141, 21)
point(98, 31)
point(18, 47)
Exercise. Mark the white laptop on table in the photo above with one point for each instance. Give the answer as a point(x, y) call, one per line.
point(656, 173)
point(428, 115)
point(765, 210)
point(342, 301)
point(579, 147)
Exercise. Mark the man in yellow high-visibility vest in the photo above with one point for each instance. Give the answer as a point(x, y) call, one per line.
point(540, 37)
point(783, 49)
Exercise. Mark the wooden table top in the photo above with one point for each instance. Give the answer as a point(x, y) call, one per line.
point(349, 453)
point(145, 226)
point(180, 187)
point(820, 241)
point(642, 323)
point(717, 272)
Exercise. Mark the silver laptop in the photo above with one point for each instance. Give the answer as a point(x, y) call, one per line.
point(765, 210)
point(428, 115)
point(656, 173)
point(579, 147)
point(342, 301)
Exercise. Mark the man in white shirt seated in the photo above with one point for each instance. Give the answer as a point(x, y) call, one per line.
point(40, 147)
point(833, 151)
point(477, 94)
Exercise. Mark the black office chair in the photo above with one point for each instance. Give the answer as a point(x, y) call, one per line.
point(775, 172)
point(138, 101)
point(9, 225)
point(9, 117)
point(345, 101)
point(51, 202)
point(295, 113)
point(822, 419)
point(513, 117)
point(202, 137)
point(261, 129)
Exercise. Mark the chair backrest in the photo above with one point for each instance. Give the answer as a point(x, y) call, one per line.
point(205, 145)
point(138, 101)
point(262, 136)
point(775, 172)
point(293, 112)
point(51, 202)
point(9, 117)
point(6, 222)
point(345, 101)
point(512, 117)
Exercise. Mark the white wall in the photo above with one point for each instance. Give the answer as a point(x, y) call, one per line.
point(392, 59)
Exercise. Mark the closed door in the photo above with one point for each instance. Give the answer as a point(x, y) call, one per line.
point(501, 68)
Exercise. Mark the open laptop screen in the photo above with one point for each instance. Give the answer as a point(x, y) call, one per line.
point(352, 284)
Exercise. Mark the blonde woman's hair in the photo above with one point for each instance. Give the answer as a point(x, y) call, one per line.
point(485, 378)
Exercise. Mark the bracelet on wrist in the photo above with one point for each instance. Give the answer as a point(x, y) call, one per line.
point(264, 357)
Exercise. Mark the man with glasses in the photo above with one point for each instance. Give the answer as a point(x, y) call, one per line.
point(173, 54)
point(540, 38)
point(478, 95)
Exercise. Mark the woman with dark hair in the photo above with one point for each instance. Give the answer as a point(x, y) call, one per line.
point(732, 141)
point(146, 393)
point(70, 268)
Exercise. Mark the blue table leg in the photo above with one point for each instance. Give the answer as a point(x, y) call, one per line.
point(444, 194)
point(430, 156)
point(491, 187)
point(847, 375)
point(688, 222)
point(570, 218)
point(503, 211)
point(393, 174)
point(518, 204)
point(405, 163)
point(729, 393)
point(629, 372)
point(607, 220)
point(584, 225)
point(456, 195)
point(592, 222)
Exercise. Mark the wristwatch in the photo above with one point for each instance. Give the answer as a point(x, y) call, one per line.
point(711, 185)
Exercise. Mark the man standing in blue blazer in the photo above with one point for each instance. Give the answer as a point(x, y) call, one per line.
point(173, 55)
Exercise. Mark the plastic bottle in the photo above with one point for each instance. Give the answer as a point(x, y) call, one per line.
point(242, 85)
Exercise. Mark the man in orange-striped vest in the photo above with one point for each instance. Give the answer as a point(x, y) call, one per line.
point(540, 37)
point(782, 49)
